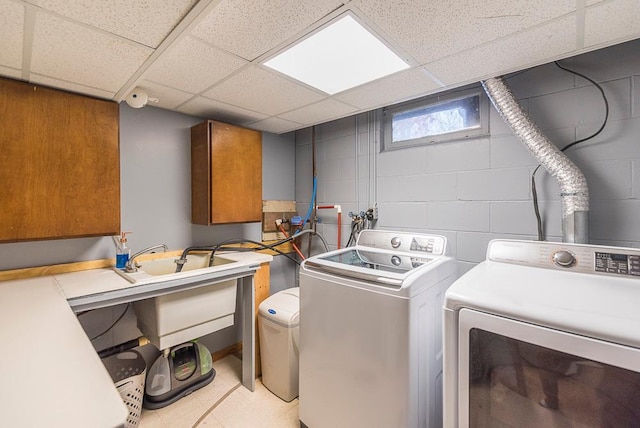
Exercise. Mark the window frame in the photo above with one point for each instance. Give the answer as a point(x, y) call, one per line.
point(388, 114)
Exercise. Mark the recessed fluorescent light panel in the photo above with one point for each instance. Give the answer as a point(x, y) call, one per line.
point(340, 56)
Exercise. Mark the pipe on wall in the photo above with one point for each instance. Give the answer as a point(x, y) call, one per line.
point(574, 192)
point(338, 209)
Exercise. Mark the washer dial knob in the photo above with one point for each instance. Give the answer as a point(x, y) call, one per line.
point(395, 242)
point(395, 260)
point(564, 258)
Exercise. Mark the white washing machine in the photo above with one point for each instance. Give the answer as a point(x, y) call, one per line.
point(544, 334)
point(371, 332)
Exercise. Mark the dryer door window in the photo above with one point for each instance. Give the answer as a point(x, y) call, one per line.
point(548, 379)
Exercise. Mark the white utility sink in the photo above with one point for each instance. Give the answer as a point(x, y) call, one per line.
point(160, 270)
point(175, 318)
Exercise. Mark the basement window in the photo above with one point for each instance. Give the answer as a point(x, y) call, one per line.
point(436, 119)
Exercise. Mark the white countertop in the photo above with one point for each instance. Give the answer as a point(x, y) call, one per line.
point(50, 374)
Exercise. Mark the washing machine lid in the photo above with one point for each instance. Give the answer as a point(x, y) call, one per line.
point(361, 263)
point(382, 257)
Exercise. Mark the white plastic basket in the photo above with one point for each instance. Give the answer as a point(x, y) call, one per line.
point(132, 392)
point(128, 371)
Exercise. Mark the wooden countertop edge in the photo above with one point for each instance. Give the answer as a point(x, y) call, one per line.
point(33, 272)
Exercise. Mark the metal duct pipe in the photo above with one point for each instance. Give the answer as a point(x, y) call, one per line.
point(574, 193)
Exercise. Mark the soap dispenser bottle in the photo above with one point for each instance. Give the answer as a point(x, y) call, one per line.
point(122, 251)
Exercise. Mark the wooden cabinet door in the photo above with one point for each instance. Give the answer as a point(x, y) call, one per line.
point(226, 168)
point(59, 164)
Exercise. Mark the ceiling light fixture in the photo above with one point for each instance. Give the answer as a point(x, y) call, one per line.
point(340, 56)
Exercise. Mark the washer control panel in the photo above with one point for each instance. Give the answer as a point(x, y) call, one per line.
point(574, 257)
point(402, 241)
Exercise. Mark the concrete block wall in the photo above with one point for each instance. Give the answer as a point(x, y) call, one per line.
point(472, 191)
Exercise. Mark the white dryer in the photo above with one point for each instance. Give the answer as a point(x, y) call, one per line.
point(371, 332)
point(544, 334)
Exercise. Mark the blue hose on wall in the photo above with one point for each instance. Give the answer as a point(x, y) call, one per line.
point(313, 201)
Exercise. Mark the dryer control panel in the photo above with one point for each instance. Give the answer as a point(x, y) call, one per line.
point(620, 263)
point(564, 256)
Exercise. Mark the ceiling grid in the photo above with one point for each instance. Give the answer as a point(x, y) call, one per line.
point(205, 57)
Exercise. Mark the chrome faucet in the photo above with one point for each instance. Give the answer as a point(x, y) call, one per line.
point(132, 266)
point(183, 258)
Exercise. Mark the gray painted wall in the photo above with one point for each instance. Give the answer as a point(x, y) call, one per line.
point(476, 190)
point(156, 207)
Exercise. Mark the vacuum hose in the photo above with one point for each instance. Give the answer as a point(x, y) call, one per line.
point(130, 344)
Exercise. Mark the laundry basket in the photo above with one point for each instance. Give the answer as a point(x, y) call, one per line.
point(128, 370)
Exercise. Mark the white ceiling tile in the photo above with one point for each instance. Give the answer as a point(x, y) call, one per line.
point(147, 22)
point(257, 89)
point(275, 125)
point(523, 50)
point(11, 34)
point(211, 109)
point(168, 98)
point(192, 66)
point(429, 30)
point(102, 48)
point(70, 86)
point(70, 52)
point(617, 20)
point(393, 89)
point(322, 111)
point(249, 28)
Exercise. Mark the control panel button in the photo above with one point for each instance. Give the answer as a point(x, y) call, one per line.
point(395, 242)
point(564, 258)
point(395, 260)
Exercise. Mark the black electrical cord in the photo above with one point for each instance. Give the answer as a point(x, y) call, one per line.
point(261, 246)
point(112, 324)
point(352, 236)
point(534, 192)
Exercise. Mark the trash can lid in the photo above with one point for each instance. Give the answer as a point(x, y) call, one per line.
point(282, 307)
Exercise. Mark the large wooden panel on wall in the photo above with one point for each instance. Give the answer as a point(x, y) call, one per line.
point(59, 168)
point(226, 174)
point(277, 210)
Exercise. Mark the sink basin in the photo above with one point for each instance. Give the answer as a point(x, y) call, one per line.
point(160, 270)
point(168, 265)
point(175, 318)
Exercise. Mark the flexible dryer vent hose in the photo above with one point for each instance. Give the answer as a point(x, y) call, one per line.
point(574, 193)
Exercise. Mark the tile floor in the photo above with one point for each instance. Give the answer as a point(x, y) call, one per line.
point(225, 403)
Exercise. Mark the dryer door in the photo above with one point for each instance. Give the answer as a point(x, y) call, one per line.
point(514, 374)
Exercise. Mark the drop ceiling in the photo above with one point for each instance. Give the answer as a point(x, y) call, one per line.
point(204, 57)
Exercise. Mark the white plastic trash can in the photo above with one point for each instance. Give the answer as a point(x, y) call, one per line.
point(278, 324)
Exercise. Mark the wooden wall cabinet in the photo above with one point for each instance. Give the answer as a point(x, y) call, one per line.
point(59, 164)
point(226, 174)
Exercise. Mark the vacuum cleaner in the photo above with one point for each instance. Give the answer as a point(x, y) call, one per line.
point(179, 371)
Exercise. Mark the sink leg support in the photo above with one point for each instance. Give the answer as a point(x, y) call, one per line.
point(248, 333)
